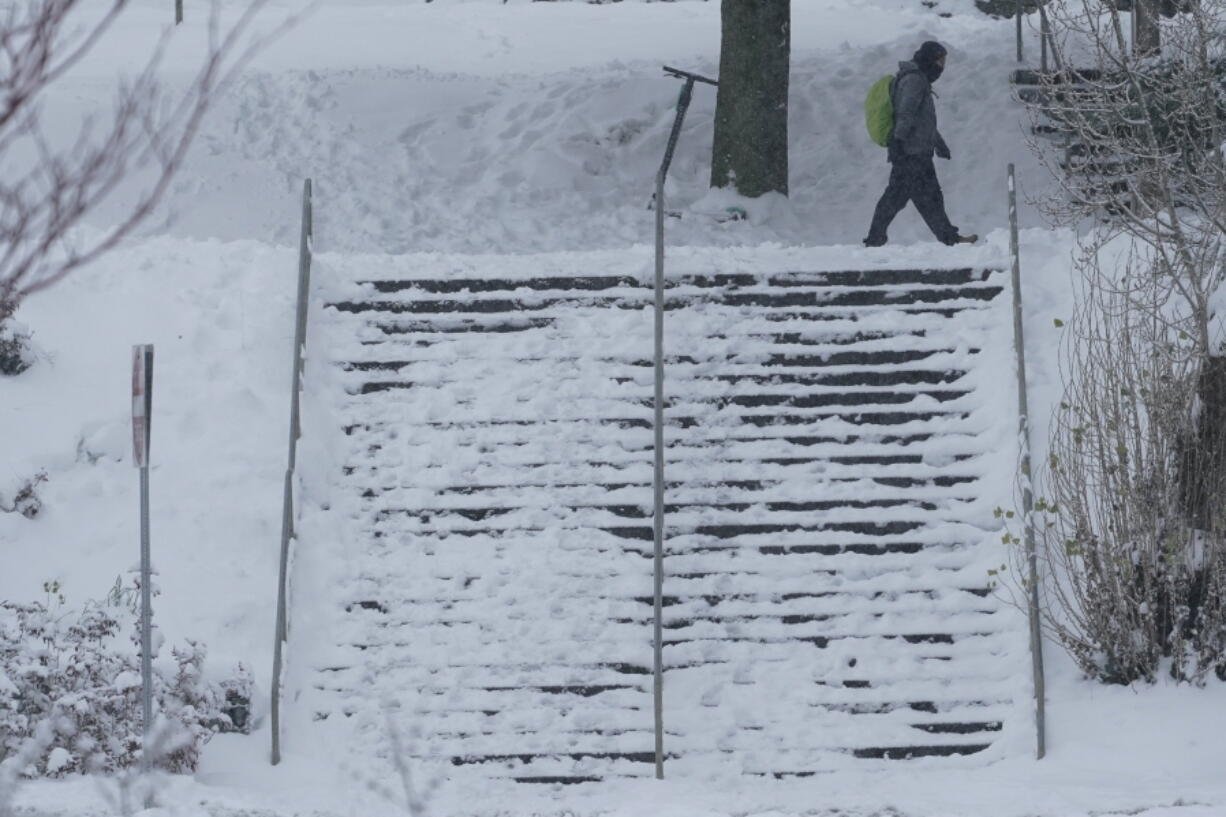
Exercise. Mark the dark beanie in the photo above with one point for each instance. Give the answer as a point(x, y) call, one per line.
point(929, 53)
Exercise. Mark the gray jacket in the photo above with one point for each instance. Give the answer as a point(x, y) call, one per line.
point(915, 113)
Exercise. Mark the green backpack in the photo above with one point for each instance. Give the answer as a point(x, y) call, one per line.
point(879, 111)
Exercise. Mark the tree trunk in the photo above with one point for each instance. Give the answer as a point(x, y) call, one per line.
point(1202, 472)
point(1148, 39)
point(751, 107)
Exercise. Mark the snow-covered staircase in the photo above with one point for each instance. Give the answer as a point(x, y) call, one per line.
point(836, 444)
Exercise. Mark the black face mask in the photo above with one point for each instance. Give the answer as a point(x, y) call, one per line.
point(932, 71)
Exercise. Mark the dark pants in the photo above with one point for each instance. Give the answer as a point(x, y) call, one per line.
point(912, 178)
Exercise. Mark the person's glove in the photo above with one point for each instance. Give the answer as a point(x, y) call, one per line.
point(894, 151)
point(943, 150)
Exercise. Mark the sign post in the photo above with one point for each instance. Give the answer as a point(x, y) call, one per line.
point(142, 408)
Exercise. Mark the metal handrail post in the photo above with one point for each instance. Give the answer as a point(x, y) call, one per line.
point(658, 478)
point(287, 503)
point(683, 104)
point(1044, 36)
point(1023, 432)
point(1018, 17)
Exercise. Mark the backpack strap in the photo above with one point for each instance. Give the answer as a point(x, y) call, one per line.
point(899, 76)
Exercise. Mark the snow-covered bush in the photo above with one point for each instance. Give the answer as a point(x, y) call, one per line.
point(73, 674)
point(15, 353)
point(1130, 517)
point(25, 500)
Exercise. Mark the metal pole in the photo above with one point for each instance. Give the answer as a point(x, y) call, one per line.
point(178, 11)
point(1044, 34)
point(146, 618)
point(683, 104)
point(658, 477)
point(1018, 16)
point(287, 500)
point(142, 409)
point(1023, 431)
point(1132, 26)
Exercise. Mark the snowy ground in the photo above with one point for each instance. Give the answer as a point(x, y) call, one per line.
point(517, 128)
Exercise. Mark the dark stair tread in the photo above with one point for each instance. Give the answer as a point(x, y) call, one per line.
point(619, 508)
point(881, 277)
point(525, 758)
point(912, 752)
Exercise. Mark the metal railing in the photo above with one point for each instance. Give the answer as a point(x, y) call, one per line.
point(683, 104)
point(1023, 433)
point(1044, 33)
point(287, 505)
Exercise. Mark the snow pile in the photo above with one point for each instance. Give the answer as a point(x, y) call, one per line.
point(491, 128)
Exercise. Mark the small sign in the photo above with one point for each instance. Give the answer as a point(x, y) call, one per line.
point(142, 402)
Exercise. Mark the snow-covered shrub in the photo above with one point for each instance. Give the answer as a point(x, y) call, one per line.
point(1131, 515)
point(25, 499)
point(74, 675)
point(16, 354)
point(1131, 520)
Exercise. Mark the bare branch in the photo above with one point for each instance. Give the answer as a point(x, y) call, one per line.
point(148, 129)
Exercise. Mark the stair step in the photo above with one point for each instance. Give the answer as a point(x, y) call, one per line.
point(579, 283)
point(644, 509)
point(738, 361)
point(688, 613)
point(501, 324)
point(614, 338)
point(706, 655)
point(824, 298)
point(681, 418)
point(520, 321)
point(584, 283)
point(1074, 76)
point(624, 594)
point(617, 476)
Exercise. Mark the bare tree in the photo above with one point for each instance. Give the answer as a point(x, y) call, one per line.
point(1131, 517)
point(147, 133)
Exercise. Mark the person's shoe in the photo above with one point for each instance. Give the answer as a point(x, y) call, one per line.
point(960, 239)
point(874, 242)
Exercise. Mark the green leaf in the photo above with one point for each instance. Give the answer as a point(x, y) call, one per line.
point(1058, 322)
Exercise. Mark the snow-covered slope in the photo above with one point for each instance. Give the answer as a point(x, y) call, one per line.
point(479, 127)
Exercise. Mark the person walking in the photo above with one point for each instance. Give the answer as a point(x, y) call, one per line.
point(913, 176)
